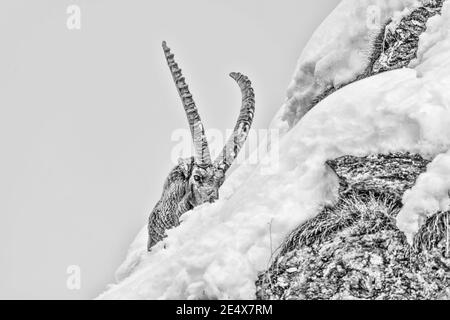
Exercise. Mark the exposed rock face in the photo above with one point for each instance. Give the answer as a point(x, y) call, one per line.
point(400, 42)
point(434, 235)
point(393, 173)
point(354, 250)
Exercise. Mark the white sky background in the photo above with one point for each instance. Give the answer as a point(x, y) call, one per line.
point(86, 118)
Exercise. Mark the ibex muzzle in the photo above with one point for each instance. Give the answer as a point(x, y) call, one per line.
point(197, 180)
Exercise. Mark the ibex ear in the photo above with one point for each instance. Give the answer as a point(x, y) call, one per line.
point(185, 165)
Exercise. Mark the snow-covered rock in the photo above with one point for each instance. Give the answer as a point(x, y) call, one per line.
point(340, 51)
point(353, 249)
point(219, 249)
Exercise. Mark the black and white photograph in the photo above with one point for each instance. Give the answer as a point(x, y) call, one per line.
point(237, 151)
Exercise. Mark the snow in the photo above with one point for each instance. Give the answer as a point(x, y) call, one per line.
point(338, 51)
point(219, 248)
point(431, 192)
point(429, 195)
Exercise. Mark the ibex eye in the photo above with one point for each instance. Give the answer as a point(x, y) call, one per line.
point(197, 178)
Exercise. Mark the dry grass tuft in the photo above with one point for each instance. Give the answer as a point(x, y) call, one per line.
point(434, 233)
point(343, 215)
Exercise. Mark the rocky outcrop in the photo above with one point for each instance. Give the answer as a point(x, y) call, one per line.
point(354, 250)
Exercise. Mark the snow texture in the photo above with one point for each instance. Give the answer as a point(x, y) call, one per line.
point(219, 248)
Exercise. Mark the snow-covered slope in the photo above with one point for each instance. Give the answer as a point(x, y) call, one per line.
point(339, 50)
point(219, 248)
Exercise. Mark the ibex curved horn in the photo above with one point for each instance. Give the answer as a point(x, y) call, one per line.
point(195, 123)
point(243, 124)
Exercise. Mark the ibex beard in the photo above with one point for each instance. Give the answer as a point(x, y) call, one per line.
point(196, 180)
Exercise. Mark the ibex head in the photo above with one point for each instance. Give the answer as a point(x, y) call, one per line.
point(205, 176)
point(203, 182)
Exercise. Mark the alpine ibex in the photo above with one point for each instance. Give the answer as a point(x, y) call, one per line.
point(197, 180)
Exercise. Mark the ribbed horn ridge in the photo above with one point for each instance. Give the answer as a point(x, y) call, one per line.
point(195, 123)
point(243, 124)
